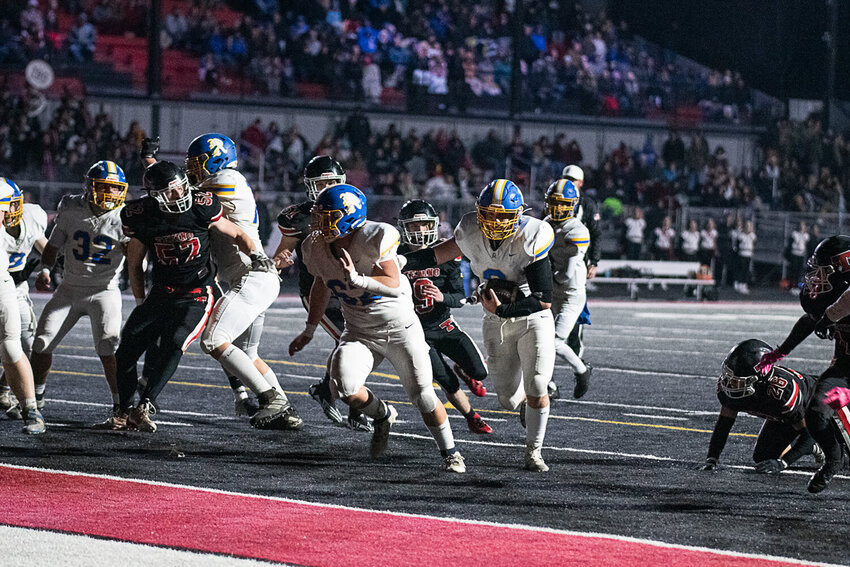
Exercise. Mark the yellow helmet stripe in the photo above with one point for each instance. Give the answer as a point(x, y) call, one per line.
point(110, 167)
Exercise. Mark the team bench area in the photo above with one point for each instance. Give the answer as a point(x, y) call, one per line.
point(635, 272)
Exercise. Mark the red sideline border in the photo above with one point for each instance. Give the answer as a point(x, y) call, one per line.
point(304, 533)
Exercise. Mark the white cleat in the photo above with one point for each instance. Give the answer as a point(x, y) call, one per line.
point(454, 463)
point(534, 460)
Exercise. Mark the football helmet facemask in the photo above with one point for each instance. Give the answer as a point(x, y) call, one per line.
point(321, 172)
point(499, 207)
point(13, 216)
point(562, 200)
point(106, 186)
point(738, 375)
point(419, 212)
point(209, 154)
point(169, 185)
point(828, 267)
point(338, 210)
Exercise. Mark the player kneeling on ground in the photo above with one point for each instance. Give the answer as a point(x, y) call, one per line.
point(780, 396)
point(435, 291)
point(355, 260)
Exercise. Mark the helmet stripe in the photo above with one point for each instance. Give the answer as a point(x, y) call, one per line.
point(110, 167)
point(499, 191)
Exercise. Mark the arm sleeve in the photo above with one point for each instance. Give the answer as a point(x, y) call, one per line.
point(420, 259)
point(719, 436)
point(539, 276)
point(804, 327)
point(454, 286)
point(590, 219)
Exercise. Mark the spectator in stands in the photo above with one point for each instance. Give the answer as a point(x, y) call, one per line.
point(673, 150)
point(635, 226)
point(82, 39)
point(746, 246)
point(708, 243)
point(796, 253)
point(662, 248)
point(690, 242)
point(725, 265)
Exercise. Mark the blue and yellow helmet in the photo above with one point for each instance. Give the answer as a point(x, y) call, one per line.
point(11, 194)
point(106, 186)
point(562, 200)
point(339, 210)
point(499, 206)
point(209, 154)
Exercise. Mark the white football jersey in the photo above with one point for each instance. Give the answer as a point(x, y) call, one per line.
point(529, 243)
point(33, 225)
point(568, 251)
point(5, 200)
point(90, 243)
point(372, 243)
point(237, 201)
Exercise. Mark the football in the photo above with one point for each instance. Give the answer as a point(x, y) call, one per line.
point(506, 291)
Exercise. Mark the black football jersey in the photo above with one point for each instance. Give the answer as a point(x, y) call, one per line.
point(294, 222)
point(447, 278)
point(783, 397)
point(179, 244)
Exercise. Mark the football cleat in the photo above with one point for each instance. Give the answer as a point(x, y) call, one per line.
point(33, 422)
point(7, 400)
point(359, 422)
point(553, 390)
point(381, 434)
point(475, 386)
point(821, 479)
point(582, 382)
point(14, 412)
point(139, 417)
point(276, 413)
point(245, 406)
point(321, 392)
point(818, 454)
point(534, 460)
point(477, 424)
point(115, 422)
point(454, 463)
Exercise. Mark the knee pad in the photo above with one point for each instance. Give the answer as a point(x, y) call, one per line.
point(11, 351)
point(39, 345)
point(425, 401)
point(106, 346)
point(507, 402)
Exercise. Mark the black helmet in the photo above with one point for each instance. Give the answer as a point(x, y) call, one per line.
point(829, 266)
point(738, 375)
point(161, 179)
point(322, 168)
point(418, 210)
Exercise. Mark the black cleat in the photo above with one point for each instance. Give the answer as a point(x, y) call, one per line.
point(553, 390)
point(321, 392)
point(821, 479)
point(582, 382)
point(359, 422)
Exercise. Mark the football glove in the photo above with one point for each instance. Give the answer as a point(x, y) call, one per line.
point(771, 466)
point(837, 398)
point(825, 328)
point(262, 263)
point(150, 147)
point(768, 360)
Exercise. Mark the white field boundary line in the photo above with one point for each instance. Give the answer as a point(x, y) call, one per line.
point(614, 537)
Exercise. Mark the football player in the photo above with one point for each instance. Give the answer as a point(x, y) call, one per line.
point(87, 231)
point(587, 211)
point(232, 335)
point(294, 224)
point(356, 260)
point(25, 225)
point(435, 292)
point(15, 364)
point(503, 244)
point(826, 302)
point(780, 396)
point(173, 223)
point(570, 275)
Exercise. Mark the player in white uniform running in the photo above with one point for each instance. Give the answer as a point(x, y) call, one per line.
point(15, 363)
point(570, 274)
point(357, 261)
point(503, 244)
point(25, 226)
point(88, 233)
point(233, 332)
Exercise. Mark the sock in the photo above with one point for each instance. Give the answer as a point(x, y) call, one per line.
point(239, 391)
point(30, 404)
point(376, 409)
point(535, 423)
point(237, 363)
point(271, 378)
point(470, 413)
point(39, 389)
point(443, 436)
point(5, 388)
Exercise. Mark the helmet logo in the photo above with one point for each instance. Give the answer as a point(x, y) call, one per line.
point(842, 261)
point(350, 202)
point(216, 146)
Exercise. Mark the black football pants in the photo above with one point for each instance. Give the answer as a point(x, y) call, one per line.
point(450, 340)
